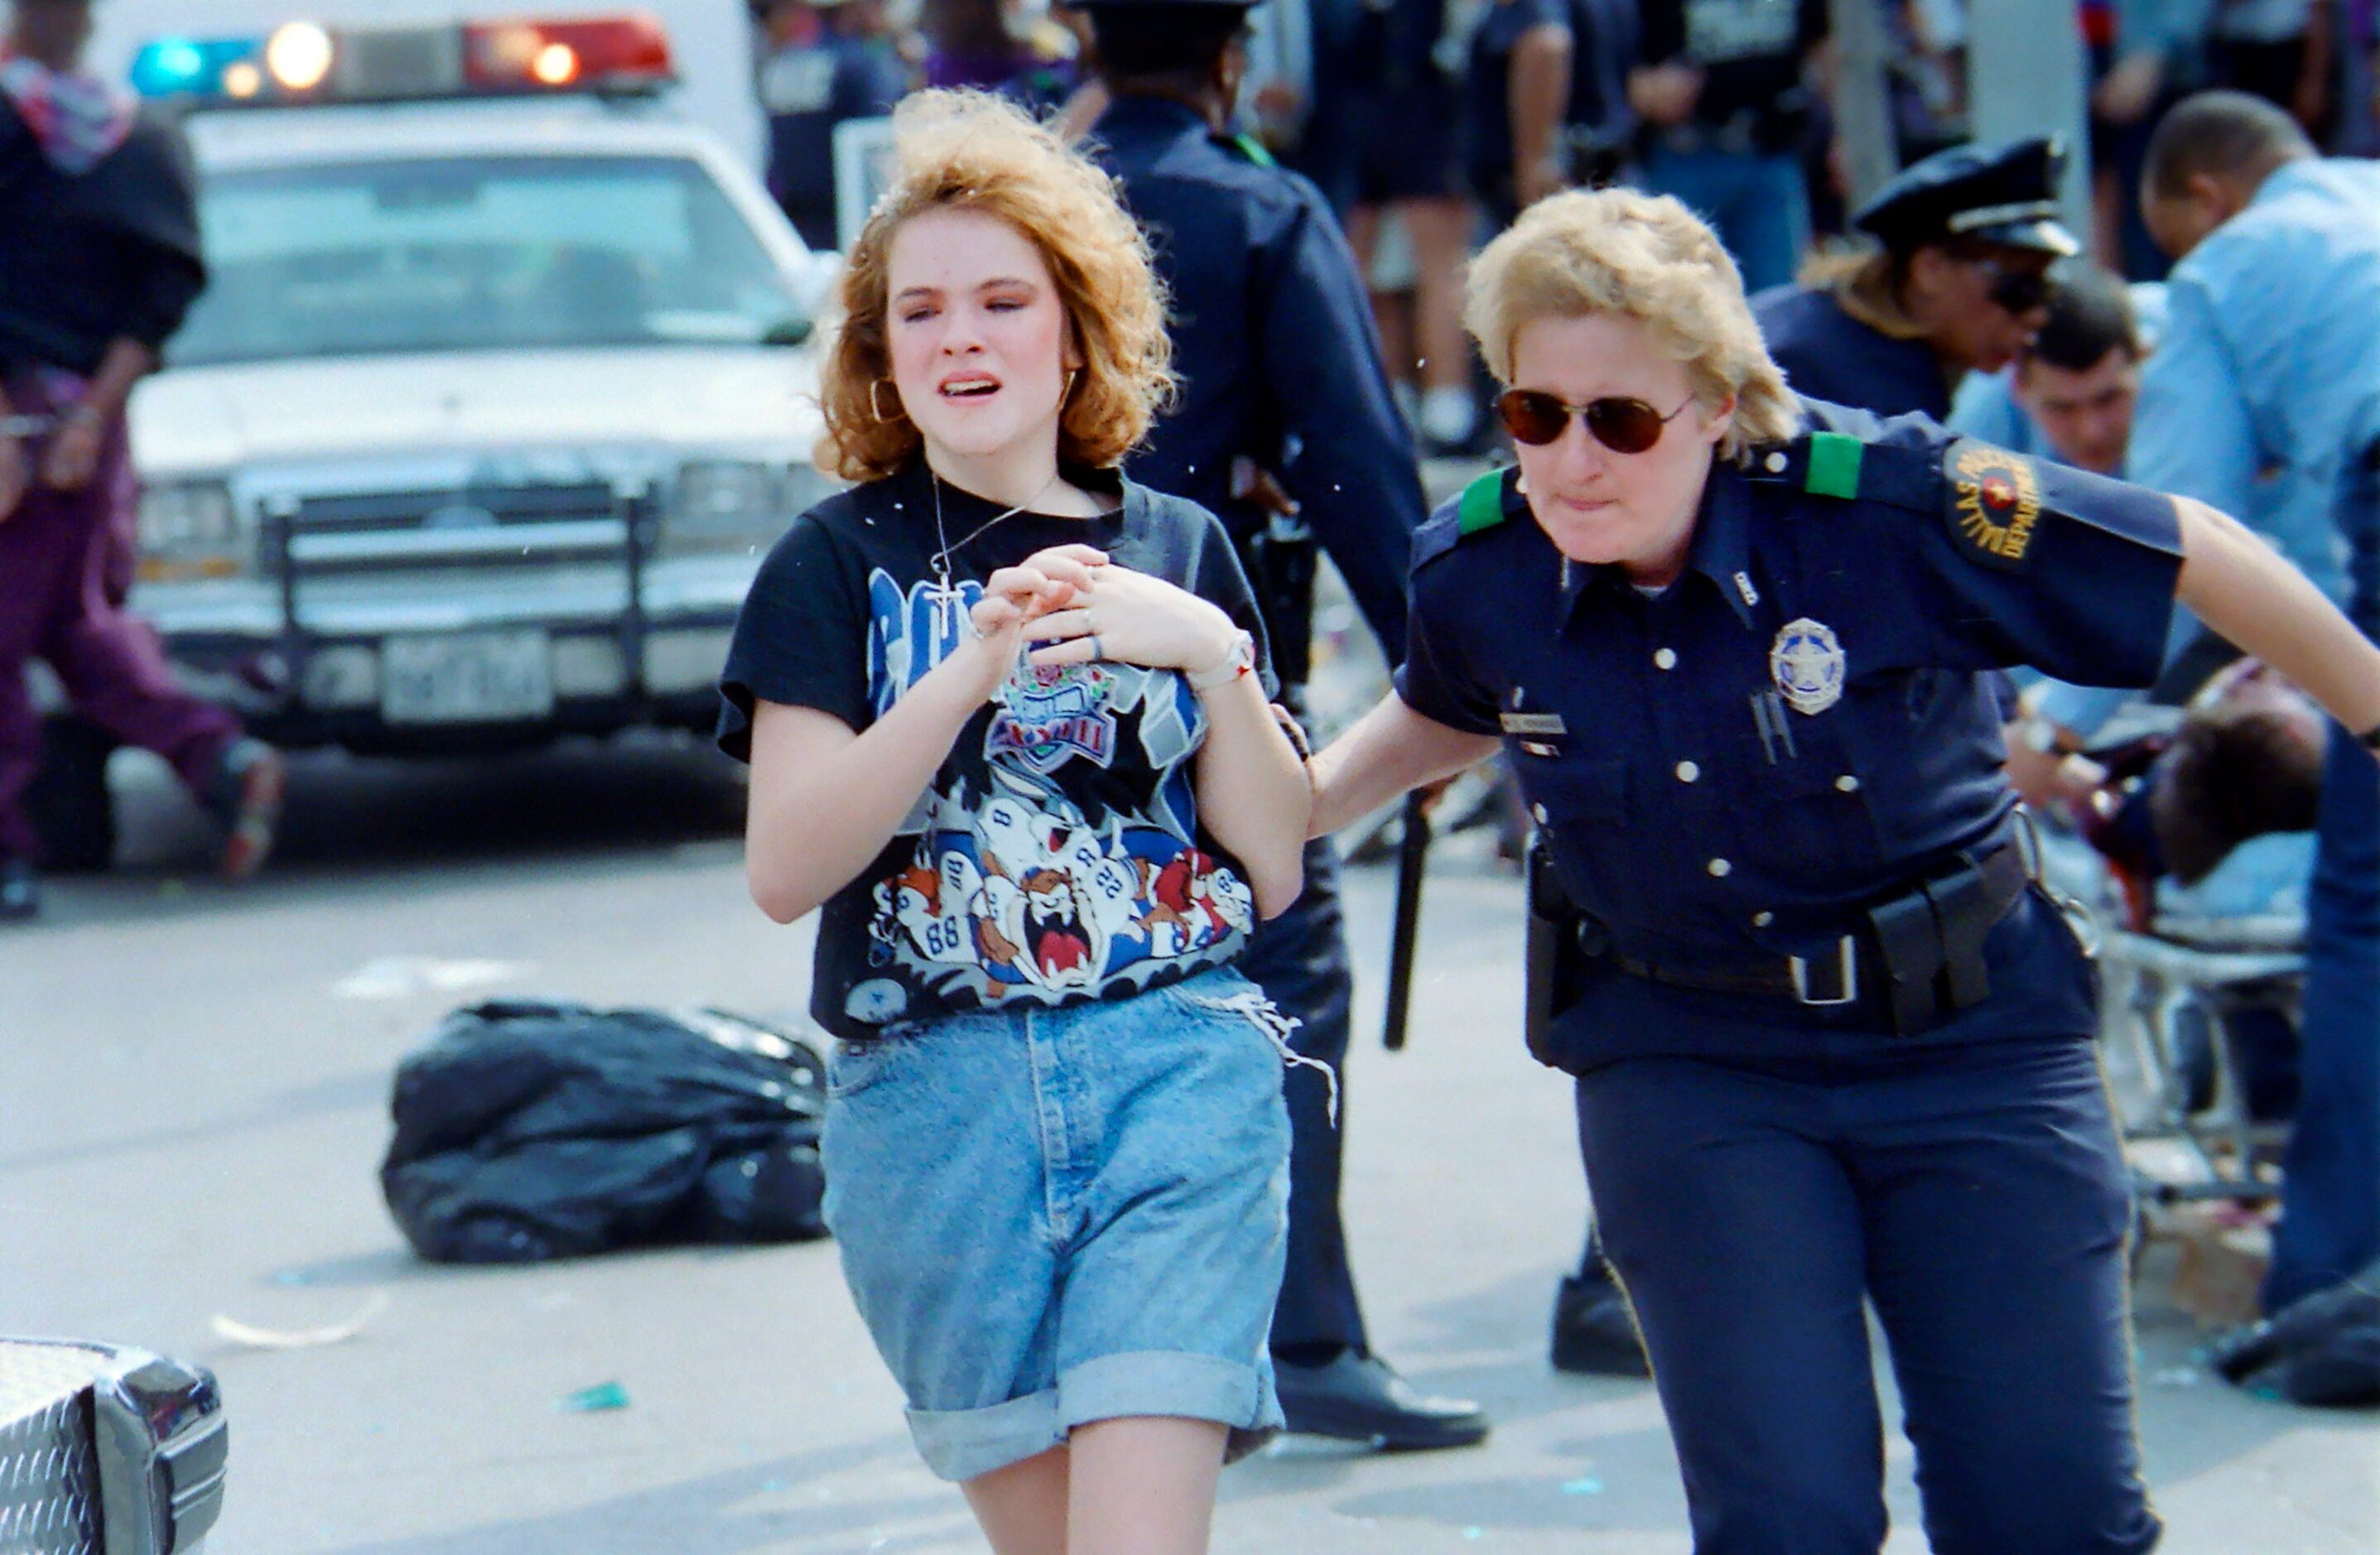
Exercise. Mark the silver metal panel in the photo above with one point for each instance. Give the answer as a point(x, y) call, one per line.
point(49, 1472)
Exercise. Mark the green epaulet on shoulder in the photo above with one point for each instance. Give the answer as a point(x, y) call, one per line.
point(1483, 505)
point(1249, 148)
point(1833, 470)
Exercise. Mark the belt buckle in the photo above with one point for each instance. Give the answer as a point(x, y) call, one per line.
point(1847, 951)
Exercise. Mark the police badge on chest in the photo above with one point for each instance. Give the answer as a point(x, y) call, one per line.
point(1806, 662)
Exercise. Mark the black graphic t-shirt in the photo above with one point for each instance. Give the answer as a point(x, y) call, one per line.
point(1057, 855)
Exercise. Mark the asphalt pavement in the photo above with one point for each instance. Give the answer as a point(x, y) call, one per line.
point(193, 1103)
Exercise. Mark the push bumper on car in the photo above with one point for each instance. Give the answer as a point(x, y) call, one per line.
point(107, 1451)
point(454, 659)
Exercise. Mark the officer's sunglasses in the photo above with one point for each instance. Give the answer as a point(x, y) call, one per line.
point(2018, 291)
point(1624, 426)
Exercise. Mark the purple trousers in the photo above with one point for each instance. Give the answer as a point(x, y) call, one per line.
point(61, 556)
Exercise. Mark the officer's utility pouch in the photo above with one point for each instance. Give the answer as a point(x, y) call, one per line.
point(1931, 938)
point(1912, 947)
point(1565, 948)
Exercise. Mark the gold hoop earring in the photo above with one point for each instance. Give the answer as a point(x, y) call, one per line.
point(875, 406)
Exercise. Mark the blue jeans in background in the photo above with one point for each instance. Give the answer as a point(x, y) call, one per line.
point(1759, 205)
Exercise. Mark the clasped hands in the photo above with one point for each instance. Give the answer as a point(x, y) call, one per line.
point(1077, 606)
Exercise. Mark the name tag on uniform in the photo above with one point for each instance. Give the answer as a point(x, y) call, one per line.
point(1533, 723)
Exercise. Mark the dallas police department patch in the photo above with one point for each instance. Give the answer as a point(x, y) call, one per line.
point(1807, 662)
point(1994, 501)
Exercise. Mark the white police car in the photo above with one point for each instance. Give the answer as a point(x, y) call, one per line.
point(500, 387)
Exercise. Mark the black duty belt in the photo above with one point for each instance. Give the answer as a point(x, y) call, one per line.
point(1920, 951)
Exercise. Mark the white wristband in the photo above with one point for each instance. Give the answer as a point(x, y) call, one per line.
point(1238, 659)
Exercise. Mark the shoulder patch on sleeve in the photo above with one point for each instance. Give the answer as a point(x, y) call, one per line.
point(1992, 500)
point(1483, 505)
point(1834, 466)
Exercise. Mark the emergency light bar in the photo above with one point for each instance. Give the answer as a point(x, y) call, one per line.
point(302, 62)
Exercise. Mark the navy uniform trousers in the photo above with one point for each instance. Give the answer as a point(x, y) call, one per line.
point(1747, 1209)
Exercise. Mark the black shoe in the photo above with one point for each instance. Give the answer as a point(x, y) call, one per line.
point(20, 891)
point(1359, 1398)
point(1594, 1333)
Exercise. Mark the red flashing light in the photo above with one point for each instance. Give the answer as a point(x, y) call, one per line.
point(610, 52)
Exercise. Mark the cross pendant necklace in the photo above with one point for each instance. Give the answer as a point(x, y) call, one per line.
point(945, 596)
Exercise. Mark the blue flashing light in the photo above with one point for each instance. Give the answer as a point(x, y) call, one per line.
point(193, 67)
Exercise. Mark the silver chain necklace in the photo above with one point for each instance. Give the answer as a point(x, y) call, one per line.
point(942, 561)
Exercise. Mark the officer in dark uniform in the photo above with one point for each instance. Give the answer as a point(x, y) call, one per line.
point(1958, 283)
point(1280, 374)
point(1831, 1044)
point(829, 62)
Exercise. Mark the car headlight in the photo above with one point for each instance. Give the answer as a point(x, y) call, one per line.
point(735, 504)
point(192, 528)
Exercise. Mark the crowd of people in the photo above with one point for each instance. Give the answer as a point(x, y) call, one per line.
point(1429, 124)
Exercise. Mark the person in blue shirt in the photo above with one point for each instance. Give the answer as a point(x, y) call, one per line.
point(829, 62)
point(2070, 393)
point(1957, 283)
point(1832, 1047)
point(2269, 377)
point(1281, 377)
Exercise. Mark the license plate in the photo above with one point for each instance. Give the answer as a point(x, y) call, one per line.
point(468, 677)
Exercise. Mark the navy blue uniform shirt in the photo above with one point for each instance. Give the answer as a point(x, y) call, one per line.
point(1829, 354)
point(1802, 724)
point(1274, 338)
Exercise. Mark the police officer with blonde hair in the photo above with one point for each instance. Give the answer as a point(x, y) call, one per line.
point(1831, 1045)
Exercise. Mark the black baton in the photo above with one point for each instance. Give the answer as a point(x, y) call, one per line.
point(1413, 856)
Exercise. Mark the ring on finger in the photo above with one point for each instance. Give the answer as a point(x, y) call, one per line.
point(1098, 650)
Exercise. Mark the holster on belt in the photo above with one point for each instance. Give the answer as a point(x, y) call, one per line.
point(1916, 957)
point(1931, 938)
point(1278, 553)
point(1564, 947)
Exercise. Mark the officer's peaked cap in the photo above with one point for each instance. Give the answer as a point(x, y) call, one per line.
point(2003, 192)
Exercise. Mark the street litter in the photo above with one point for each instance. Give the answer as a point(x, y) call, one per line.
point(589, 1400)
point(255, 1337)
point(1586, 1485)
point(401, 976)
point(528, 1130)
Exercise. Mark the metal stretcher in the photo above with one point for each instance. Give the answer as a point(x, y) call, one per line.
point(2173, 992)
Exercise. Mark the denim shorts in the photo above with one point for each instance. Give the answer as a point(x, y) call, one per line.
point(1053, 1216)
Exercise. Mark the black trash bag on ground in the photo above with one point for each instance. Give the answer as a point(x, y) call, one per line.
point(2321, 1349)
point(528, 1130)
